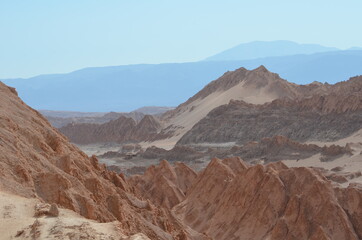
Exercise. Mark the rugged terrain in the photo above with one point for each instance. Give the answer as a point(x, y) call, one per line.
point(232, 200)
point(52, 190)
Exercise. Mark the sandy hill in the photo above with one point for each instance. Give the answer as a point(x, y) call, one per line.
point(257, 87)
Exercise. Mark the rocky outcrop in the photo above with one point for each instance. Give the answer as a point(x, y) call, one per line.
point(230, 200)
point(46, 209)
point(178, 153)
point(120, 130)
point(147, 128)
point(37, 161)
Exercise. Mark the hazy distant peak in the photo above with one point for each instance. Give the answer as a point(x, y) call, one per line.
point(262, 49)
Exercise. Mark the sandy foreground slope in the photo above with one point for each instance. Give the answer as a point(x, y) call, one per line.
point(18, 221)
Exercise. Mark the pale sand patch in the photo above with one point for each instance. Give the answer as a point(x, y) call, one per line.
point(98, 148)
point(348, 163)
point(17, 214)
point(167, 143)
point(201, 107)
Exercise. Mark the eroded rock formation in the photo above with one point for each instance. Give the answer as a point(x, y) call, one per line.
point(164, 184)
point(231, 200)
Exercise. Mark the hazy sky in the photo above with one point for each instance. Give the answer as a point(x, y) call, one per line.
point(56, 36)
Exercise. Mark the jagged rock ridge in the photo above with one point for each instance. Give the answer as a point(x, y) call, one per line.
point(164, 184)
point(231, 200)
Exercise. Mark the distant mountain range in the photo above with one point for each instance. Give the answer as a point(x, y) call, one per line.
point(261, 49)
point(125, 88)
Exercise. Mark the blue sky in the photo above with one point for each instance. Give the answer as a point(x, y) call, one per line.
point(42, 36)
